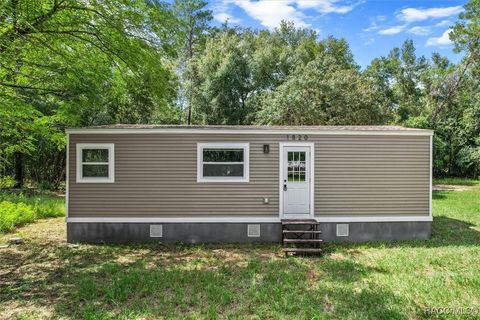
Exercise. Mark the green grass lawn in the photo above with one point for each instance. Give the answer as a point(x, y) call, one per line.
point(46, 278)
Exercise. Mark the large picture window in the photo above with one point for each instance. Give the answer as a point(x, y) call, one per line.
point(95, 162)
point(222, 162)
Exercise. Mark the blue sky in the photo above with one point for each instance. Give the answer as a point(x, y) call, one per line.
point(371, 27)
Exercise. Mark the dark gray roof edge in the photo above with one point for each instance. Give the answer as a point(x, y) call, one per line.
point(248, 127)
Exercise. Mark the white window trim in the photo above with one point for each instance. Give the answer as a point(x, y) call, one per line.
point(111, 163)
point(224, 145)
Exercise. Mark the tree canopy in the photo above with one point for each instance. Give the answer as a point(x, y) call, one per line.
point(66, 63)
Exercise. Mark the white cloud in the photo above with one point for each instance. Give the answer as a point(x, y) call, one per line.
point(373, 26)
point(221, 12)
point(369, 41)
point(414, 14)
point(419, 31)
point(324, 6)
point(271, 13)
point(410, 15)
point(441, 41)
point(224, 16)
point(392, 30)
point(443, 23)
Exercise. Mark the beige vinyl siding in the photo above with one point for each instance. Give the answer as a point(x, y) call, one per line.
point(156, 175)
point(372, 175)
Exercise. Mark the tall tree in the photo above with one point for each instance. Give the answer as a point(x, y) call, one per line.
point(466, 38)
point(224, 84)
point(456, 99)
point(193, 27)
point(59, 58)
point(398, 75)
point(323, 92)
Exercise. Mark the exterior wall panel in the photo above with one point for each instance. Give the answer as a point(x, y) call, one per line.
point(372, 175)
point(156, 176)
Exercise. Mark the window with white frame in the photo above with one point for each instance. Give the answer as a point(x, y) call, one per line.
point(223, 162)
point(95, 162)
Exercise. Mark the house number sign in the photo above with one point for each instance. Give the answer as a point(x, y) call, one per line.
point(297, 137)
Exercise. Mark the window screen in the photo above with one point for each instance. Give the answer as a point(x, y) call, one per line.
point(95, 163)
point(223, 162)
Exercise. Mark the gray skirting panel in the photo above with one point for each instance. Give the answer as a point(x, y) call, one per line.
point(239, 232)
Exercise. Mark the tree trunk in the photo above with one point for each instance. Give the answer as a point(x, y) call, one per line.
point(19, 170)
point(189, 59)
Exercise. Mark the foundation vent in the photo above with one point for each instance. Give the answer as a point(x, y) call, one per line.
point(342, 230)
point(156, 231)
point(253, 230)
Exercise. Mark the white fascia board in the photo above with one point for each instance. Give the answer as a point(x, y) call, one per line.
point(252, 131)
point(67, 175)
point(430, 169)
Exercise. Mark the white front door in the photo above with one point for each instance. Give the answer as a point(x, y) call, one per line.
point(296, 181)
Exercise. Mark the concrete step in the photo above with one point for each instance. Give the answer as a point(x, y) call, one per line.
point(299, 221)
point(302, 231)
point(302, 240)
point(302, 250)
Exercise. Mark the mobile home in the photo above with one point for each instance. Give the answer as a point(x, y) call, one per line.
point(130, 183)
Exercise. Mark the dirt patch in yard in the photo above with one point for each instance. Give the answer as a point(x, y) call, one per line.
point(450, 187)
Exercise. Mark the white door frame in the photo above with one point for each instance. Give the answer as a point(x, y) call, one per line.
point(311, 145)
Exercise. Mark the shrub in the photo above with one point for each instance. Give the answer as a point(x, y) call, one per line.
point(7, 182)
point(17, 209)
point(15, 214)
point(48, 208)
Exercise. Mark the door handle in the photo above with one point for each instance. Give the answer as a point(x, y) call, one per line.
point(285, 187)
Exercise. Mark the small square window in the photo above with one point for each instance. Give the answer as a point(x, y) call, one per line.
point(95, 163)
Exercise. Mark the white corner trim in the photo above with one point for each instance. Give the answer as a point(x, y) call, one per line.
point(430, 168)
point(224, 145)
point(252, 131)
point(111, 162)
point(243, 219)
point(373, 219)
point(67, 174)
point(311, 145)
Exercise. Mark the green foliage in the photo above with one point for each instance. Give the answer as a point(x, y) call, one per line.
point(281, 77)
point(7, 182)
point(457, 181)
point(224, 85)
point(19, 209)
point(322, 93)
point(192, 33)
point(69, 63)
point(14, 214)
point(398, 78)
